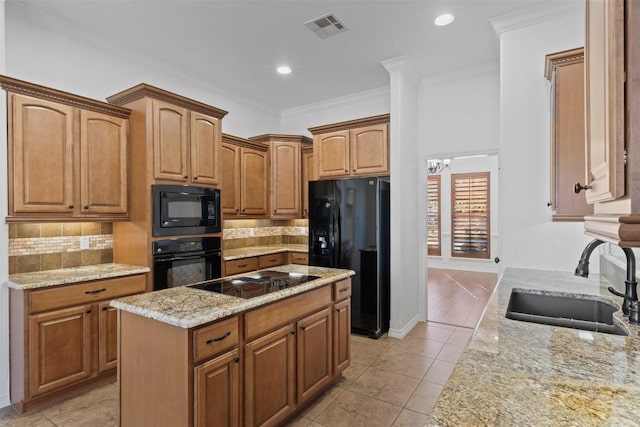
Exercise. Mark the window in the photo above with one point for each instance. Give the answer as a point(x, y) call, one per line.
point(433, 215)
point(470, 215)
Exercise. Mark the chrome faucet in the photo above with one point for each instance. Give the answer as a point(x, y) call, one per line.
point(630, 304)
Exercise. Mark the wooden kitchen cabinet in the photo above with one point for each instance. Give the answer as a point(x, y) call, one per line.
point(170, 141)
point(217, 391)
point(270, 369)
point(301, 258)
point(285, 173)
point(244, 177)
point(308, 174)
point(63, 337)
point(272, 260)
point(565, 71)
point(354, 148)
point(68, 156)
point(314, 353)
point(612, 84)
point(60, 348)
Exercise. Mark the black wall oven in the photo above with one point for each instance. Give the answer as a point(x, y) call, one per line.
point(184, 261)
point(184, 209)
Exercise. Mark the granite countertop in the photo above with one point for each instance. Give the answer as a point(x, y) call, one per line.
point(231, 254)
point(187, 307)
point(63, 276)
point(528, 374)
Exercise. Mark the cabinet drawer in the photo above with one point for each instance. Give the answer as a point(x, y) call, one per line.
point(265, 319)
point(241, 265)
point(214, 339)
point(342, 289)
point(299, 258)
point(65, 296)
point(272, 260)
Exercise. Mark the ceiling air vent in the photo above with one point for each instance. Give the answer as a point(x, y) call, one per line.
point(326, 26)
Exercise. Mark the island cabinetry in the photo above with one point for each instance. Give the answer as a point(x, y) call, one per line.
point(62, 337)
point(68, 155)
point(285, 173)
point(314, 340)
point(612, 94)
point(217, 391)
point(354, 148)
point(244, 177)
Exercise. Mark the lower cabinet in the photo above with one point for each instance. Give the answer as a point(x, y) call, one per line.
point(341, 336)
point(314, 354)
point(107, 337)
point(217, 391)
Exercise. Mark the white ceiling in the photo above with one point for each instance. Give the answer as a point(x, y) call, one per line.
point(236, 45)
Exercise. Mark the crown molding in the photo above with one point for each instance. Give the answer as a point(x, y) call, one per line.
point(273, 137)
point(244, 142)
point(465, 73)
point(351, 124)
point(354, 98)
point(535, 15)
point(561, 59)
point(401, 64)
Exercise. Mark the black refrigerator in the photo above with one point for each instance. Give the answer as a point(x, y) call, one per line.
point(349, 228)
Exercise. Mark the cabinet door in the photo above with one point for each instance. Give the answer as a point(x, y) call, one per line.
point(40, 156)
point(230, 179)
point(308, 174)
point(332, 151)
point(605, 74)
point(59, 348)
point(107, 337)
point(314, 353)
point(341, 335)
point(285, 179)
point(217, 391)
point(253, 184)
point(104, 151)
point(205, 148)
point(169, 142)
point(370, 150)
point(270, 378)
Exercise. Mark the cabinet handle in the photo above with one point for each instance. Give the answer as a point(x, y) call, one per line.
point(86, 206)
point(95, 292)
point(236, 359)
point(242, 265)
point(292, 332)
point(220, 338)
point(343, 290)
point(70, 206)
point(579, 187)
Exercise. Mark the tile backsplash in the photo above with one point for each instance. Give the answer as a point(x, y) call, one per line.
point(241, 233)
point(49, 246)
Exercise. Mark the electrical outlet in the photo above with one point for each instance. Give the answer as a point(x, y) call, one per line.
point(84, 242)
point(252, 232)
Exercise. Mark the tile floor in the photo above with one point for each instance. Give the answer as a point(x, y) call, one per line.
point(390, 382)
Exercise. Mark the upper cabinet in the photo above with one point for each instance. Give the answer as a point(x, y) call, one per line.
point(612, 94)
point(354, 148)
point(244, 177)
point(285, 173)
point(67, 155)
point(308, 174)
point(184, 137)
point(565, 71)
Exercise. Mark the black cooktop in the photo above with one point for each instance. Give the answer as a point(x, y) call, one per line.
point(254, 285)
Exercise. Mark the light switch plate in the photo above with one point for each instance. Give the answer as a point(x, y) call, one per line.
point(84, 242)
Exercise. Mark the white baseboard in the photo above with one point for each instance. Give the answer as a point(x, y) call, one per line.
point(401, 333)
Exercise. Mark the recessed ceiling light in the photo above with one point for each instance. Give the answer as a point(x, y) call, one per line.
point(444, 19)
point(284, 69)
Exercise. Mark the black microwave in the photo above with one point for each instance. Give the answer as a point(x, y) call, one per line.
point(184, 209)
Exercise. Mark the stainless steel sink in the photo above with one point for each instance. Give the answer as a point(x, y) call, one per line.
point(586, 312)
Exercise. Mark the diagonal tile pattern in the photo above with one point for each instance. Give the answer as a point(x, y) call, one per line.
point(390, 382)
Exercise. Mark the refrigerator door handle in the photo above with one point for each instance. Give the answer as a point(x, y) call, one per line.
point(338, 237)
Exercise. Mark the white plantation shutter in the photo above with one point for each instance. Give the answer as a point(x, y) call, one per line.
point(433, 215)
point(470, 232)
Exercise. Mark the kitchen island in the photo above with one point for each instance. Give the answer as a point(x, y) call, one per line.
point(192, 357)
point(528, 374)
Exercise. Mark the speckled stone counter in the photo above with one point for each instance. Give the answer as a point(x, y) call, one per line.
point(231, 254)
point(516, 373)
point(43, 279)
point(188, 307)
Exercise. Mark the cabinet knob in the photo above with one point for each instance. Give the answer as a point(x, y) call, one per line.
point(70, 206)
point(292, 332)
point(275, 210)
point(236, 359)
point(86, 206)
point(88, 311)
point(105, 308)
point(346, 171)
point(354, 170)
point(243, 210)
point(579, 187)
point(186, 176)
point(237, 210)
point(549, 204)
point(194, 178)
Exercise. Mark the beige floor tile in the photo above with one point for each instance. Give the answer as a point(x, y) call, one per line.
point(451, 352)
point(386, 386)
point(363, 353)
point(460, 336)
point(98, 406)
point(431, 331)
point(420, 347)
point(403, 362)
point(410, 419)
point(322, 402)
point(439, 372)
point(9, 417)
point(299, 421)
point(424, 397)
point(351, 374)
point(356, 410)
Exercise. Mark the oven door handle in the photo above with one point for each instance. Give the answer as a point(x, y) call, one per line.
point(179, 258)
